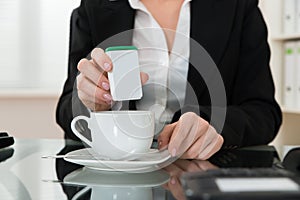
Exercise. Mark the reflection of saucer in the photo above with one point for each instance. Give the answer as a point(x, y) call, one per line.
point(146, 163)
point(92, 177)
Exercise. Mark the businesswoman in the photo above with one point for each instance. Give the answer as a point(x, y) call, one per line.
point(233, 33)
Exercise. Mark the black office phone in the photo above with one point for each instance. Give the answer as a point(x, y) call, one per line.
point(241, 184)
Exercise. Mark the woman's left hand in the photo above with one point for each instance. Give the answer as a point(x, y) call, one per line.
point(191, 137)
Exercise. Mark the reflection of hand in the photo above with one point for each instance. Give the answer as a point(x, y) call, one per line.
point(176, 169)
point(191, 137)
point(92, 83)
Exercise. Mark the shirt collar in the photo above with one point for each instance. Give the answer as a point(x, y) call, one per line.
point(136, 4)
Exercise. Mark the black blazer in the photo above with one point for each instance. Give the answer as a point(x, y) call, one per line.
point(234, 34)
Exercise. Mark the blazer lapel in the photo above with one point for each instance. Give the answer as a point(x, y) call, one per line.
point(211, 24)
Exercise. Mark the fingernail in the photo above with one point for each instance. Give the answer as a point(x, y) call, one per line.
point(159, 144)
point(106, 66)
point(174, 152)
point(105, 86)
point(107, 97)
point(173, 181)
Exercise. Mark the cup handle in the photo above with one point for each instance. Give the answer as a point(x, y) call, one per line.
point(80, 193)
point(76, 132)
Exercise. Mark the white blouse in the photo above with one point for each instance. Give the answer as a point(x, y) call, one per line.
point(164, 93)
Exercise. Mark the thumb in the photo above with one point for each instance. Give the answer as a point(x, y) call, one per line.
point(144, 77)
point(165, 135)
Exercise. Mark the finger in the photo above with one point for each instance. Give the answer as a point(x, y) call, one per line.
point(165, 135)
point(90, 99)
point(144, 77)
point(176, 189)
point(92, 105)
point(205, 146)
point(196, 140)
point(212, 149)
point(184, 134)
point(188, 166)
point(210, 139)
point(166, 186)
point(173, 169)
point(101, 59)
point(209, 136)
point(87, 87)
point(89, 70)
point(174, 184)
point(195, 149)
point(205, 165)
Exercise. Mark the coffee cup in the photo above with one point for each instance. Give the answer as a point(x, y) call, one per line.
point(118, 134)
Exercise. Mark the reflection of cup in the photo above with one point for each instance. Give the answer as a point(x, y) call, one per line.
point(117, 134)
point(115, 185)
point(116, 193)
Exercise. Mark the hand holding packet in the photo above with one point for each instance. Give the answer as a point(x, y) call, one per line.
point(124, 79)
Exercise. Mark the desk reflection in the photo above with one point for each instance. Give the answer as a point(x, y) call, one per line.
point(79, 182)
point(6, 153)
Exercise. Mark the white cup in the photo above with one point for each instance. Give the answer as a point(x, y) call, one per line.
point(118, 134)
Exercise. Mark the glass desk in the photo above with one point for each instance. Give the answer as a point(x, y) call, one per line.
point(25, 175)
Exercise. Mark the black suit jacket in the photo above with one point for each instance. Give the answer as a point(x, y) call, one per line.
point(234, 34)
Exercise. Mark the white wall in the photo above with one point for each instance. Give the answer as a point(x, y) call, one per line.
point(34, 38)
point(29, 117)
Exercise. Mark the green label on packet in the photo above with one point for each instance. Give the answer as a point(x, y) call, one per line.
point(120, 48)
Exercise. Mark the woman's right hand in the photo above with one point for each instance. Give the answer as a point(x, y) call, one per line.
point(92, 82)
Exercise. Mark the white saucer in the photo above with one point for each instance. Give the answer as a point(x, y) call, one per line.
point(90, 177)
point(148, 162)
